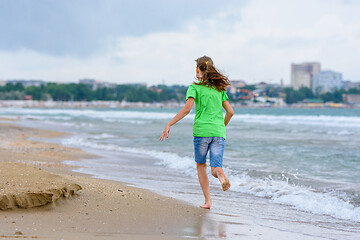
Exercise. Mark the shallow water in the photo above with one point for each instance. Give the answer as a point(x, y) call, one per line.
point(293, 170)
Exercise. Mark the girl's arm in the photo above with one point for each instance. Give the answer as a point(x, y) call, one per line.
point(229, 112)
point(180, 115)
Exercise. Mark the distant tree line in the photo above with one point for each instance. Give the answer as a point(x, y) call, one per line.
point(140, 93)
point(293, 96)
point(82, 92)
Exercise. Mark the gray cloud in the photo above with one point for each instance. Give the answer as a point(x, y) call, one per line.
point(152, 41)
point(79, 28)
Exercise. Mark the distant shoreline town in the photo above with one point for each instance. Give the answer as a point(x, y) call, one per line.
point(310, 88)
point(153, 105)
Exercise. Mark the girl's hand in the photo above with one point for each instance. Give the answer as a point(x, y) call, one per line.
point(165, 133)
point(180, 115)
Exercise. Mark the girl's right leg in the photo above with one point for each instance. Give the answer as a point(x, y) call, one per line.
point(218, 172)
point(204, 183)
point(216, 158)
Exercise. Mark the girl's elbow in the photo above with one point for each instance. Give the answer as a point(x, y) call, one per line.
point(187, 110)
point(231, 113)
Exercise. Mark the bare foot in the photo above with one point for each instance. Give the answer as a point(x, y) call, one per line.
point(226, 185)
point(206, 205)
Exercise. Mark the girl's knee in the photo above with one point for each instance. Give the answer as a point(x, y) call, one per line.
point(201, 165)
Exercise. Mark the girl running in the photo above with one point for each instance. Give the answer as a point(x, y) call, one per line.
point(209, 132)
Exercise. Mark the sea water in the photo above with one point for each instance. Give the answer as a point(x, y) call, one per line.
point(299, 166)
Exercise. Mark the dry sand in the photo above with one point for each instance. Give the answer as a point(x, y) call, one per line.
point(76, 206)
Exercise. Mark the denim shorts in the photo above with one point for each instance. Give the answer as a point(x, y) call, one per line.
point(216, 146)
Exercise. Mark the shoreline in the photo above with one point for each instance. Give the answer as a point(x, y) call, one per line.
point(99, 104)
point(103, 208)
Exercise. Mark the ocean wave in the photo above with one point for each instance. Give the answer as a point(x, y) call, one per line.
point(300, 197)
point(321, 120)
point(97, 114)
point(69, 124)
point(103, 136)
point(129, 121)
point(341, 133)
point(283, 192)
point(168, 159)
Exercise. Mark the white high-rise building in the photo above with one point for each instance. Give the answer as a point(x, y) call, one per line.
point(301, 74)
point(326, 81)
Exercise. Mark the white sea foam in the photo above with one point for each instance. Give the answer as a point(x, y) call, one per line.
point(68, 124)
point(104, 114)
point(320, 120)
point(65, 124)
point(128, 121)
point(103, 136)
point(344, 133)
point(170, 160)
point(300, 197)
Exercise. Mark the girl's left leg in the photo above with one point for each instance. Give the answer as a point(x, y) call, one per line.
point(201, 147)
point(204, 183)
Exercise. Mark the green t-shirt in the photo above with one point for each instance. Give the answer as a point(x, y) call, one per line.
point(209, 117)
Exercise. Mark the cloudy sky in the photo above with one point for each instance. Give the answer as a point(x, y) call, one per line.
point(156, 41)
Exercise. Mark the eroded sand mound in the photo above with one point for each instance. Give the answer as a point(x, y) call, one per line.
point(24, 186)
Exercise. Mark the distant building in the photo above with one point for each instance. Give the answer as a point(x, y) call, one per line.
point(137, 84)
point(87, 81)
point(301, 74)
point(236, 84)
point(348, 84)
point(155, 89)
point(351, 98)
point(2, 83)
point(326, 81)
point(261, 86)
point(276, 102)
point(28, 97)
point(266, 89)
point(27, 83)
point(93, 84)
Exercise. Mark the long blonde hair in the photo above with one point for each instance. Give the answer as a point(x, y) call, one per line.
point(211, 76)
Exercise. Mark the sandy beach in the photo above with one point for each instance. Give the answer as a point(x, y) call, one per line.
point(42, 198)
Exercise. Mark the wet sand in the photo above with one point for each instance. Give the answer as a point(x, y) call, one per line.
point(47, 200)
